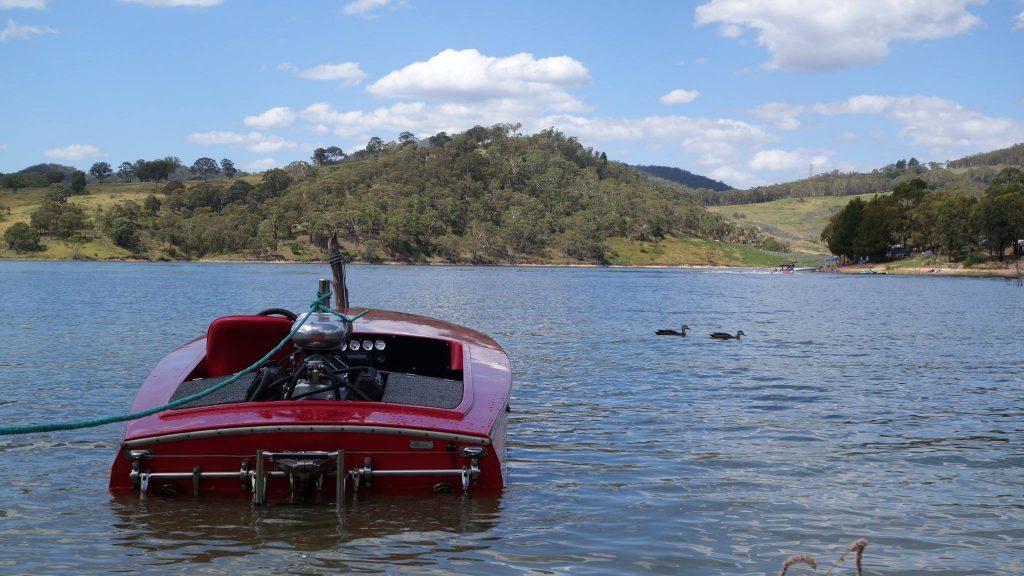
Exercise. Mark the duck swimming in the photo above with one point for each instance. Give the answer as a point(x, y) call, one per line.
point(726, 335)
point(667, 332)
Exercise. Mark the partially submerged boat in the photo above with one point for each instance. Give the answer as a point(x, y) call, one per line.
point(386, 402)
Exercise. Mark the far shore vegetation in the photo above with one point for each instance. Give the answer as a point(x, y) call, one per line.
point(495, 196)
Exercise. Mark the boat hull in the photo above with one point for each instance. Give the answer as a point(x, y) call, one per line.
point(265, 450)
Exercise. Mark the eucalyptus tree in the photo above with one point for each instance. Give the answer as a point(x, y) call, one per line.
point(228, 168)
point(101, 171)
point(205, 167)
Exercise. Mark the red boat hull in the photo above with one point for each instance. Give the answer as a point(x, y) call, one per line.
point(232, 448)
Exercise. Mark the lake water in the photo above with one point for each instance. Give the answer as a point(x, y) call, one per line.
point(876, 406)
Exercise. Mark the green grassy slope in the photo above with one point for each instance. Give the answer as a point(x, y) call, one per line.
point(796, 221)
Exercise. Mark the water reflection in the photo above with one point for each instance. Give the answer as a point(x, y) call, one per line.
point(392, 530)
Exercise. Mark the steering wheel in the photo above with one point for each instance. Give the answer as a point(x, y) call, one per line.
point(279, 312)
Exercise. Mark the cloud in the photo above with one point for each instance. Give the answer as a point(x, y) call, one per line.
point(933, 122)
point(783, 116)
point(349, 73)
point(365, 7)
point(780, 160)
point(175, 3)
point(731, 176)
point(714, 141)
point(273, 118)
point(679, 97)
point(808, 35)
point(469, 76)
point(253, 141)
point(73, 152)
point(15, 4)
point(943, 126)
point(1018, 22)
point(260, 165)
point(14, 31)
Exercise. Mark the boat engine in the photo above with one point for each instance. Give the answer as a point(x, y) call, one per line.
point(320, 370)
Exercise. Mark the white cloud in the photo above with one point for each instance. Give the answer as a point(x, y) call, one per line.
point(73, 152)
point(253, 141)
point(937, 123)
point(785, 160)
point(783, 116)
point(349, 73)
point(1018, 22)
point(805, 35)
point(731, 176)
point(679, 97)
point(713, 141)
point(273, 118)
point(175, 3)
point(469, 76)
point(943, 126)
point(862, 104)
point(260, 165)
point(15, 31)
point(15, 4)
point(365, 7)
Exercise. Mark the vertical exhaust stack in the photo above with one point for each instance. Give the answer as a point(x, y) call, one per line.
point(337, 263)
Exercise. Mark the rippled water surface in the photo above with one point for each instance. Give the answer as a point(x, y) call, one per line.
point(875, 406)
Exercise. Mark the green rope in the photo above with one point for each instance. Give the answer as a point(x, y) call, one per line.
point(318, 305)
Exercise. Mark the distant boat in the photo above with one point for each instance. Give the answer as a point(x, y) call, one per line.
point(790, 267)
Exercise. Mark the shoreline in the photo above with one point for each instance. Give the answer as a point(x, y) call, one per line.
point(945, 269)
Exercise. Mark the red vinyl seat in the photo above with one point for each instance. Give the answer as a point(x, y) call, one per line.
point(234, 343)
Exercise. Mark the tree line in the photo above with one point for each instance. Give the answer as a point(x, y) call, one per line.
point(161, 169)
point(950, 222)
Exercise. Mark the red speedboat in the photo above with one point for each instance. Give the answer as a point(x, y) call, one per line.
point(388, 402)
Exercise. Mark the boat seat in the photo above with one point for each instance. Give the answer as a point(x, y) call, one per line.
point(234, 343)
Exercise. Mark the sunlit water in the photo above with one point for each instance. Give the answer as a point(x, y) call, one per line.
point(883, 407)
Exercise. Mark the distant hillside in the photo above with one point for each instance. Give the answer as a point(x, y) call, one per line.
point(970, 175)
point(45, 168)
point(488, 195)
point(1012, 156)
point(684, 177)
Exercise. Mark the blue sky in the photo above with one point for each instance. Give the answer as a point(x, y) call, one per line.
point(746, 91)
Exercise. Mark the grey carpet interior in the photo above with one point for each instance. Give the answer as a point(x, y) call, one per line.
point(401, 388)
point(234, 392)
point(422, 391)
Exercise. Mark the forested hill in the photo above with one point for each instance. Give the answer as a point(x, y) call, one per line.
point(488, 195)
point(685, 177)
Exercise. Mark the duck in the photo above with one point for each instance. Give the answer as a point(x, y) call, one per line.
point(726, 335)
point(668, 332)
